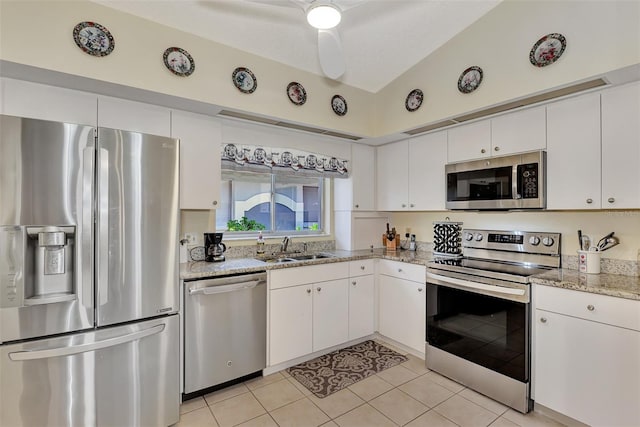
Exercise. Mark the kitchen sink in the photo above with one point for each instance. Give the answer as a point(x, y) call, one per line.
point(294, 258)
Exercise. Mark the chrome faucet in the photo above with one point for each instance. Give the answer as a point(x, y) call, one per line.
point(284, 244)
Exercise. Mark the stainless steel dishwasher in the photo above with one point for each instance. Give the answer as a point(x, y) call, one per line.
point(225, 329)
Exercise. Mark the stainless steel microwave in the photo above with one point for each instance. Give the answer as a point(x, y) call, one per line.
point(497, 183)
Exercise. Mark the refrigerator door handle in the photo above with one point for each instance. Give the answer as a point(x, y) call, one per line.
point(102, 260)
point(88, 167)
point(20, 356)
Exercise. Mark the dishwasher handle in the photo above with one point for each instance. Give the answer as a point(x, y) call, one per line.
point(220, 289)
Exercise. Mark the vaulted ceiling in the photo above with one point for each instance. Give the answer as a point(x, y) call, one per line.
point(381, 38)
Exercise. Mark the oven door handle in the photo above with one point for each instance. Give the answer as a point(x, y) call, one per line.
point(475, 285)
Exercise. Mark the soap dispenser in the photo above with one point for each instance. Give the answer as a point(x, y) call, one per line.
point(260, 243)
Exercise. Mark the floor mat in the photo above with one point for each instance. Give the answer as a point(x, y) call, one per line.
point(339, 369)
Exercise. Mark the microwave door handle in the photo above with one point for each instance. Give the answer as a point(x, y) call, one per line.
point(475, 285)
point(515, 183)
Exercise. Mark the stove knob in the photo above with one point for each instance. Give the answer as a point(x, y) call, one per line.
point(468, 236)
point(534, 240)
point(479, 237)
point(548, 241)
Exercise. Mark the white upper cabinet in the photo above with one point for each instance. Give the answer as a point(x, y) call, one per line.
point(133, 116)
point(511, 133)
point(472, 141)
point(621, 147)
point(573, 153)
point(519, 132)
point(427, 157)
point(393, 176)
point(357, 193)
point(200, 144)
point(410, 173)
point(36, 101)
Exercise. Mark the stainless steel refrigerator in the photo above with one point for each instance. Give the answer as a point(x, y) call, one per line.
point(88, 276)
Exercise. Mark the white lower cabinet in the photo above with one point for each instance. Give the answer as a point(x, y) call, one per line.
point(402, 303)
point(361, 299)
point(330, 313)
point(308, 310)
point(587, 356)
point(290, 323)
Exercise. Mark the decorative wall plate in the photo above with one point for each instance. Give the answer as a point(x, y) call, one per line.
point(296, 93)
point(547, 50)
point(244, 80)
point(470, 79)
point(414, 100)
point(339, 105)
point(93, 38)
point(178, 61)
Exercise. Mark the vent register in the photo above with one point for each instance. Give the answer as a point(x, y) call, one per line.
point(569, 90)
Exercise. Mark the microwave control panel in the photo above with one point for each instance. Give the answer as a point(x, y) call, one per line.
point(528, 180)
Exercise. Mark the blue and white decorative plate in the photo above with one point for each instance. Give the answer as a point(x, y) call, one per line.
point(93, 38)
point(178, 61)
point(244, 80)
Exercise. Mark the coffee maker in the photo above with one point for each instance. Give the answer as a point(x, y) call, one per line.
point(213, 247)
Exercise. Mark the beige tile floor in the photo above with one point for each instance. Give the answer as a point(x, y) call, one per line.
point(405, 395)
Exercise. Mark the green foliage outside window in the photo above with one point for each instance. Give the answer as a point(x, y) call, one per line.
point(244, 224)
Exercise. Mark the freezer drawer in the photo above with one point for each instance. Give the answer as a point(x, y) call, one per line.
point(225, 329)
point(121, 376)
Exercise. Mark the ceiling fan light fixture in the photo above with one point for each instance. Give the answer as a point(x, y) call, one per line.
point(323, 16)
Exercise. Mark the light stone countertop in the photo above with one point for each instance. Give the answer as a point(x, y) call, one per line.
point(201, 269)
point(614, 285)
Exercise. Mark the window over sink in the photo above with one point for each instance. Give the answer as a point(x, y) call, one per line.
point(271, 203)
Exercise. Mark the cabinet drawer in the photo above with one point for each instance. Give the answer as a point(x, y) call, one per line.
point(598, 308)
point(360, 267)
point(403, 270)
point(309, 274)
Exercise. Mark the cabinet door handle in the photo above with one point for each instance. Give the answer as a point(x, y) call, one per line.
point(543, 320)
point(214, 203)
point(308, 291)
point(419, 289)
point(318, 288)
point(589, 201)
point(590, 307)
point(496, 148)
point(353, 283)
point(483, 151)
point(357, 206)
point(412, 205)
point(362, 267)
point(404, 205)
point(611, 200)
point(399, 270)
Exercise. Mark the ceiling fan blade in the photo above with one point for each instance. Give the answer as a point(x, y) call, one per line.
point(330, 53)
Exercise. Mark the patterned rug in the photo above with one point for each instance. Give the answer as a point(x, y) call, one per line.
point(337, 370)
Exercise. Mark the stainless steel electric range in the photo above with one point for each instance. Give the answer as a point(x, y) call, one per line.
point(479, 314)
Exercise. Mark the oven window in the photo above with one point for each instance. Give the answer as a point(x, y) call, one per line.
point(488, 331)
point(484, 184)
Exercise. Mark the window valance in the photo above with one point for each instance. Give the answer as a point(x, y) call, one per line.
point(252, 158)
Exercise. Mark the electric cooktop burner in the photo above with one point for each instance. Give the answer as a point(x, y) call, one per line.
point(506, 255)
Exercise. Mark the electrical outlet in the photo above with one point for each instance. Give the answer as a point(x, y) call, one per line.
point(191, 238)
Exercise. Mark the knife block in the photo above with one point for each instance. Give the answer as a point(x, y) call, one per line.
point(391, 245)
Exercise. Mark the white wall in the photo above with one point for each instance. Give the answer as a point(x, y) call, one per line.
point(602, 35)
point(626, 225)
point(39, 34)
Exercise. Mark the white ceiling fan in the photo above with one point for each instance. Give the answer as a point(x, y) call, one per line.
point(324, 15)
